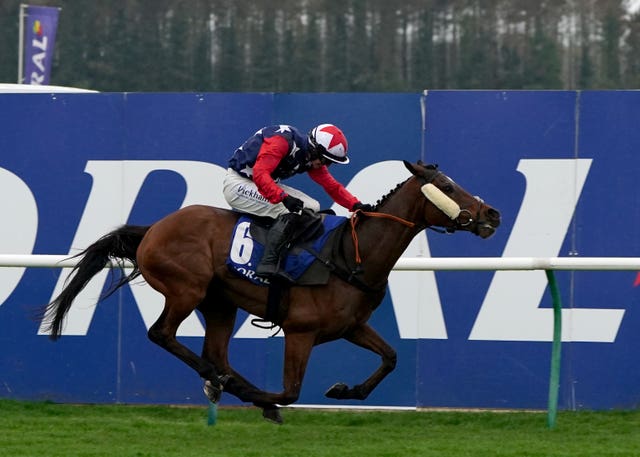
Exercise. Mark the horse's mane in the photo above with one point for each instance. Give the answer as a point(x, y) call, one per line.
point(386, 197)
point(432, 168)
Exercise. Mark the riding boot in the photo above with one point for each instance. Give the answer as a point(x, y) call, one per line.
point(278, 236)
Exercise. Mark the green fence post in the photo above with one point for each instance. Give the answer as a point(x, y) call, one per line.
point(554, 378)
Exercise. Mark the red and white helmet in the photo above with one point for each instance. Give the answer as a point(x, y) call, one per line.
point(330, 142)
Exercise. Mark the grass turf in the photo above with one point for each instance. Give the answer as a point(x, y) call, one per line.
point(47, 429)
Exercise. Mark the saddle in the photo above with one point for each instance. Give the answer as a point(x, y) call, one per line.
point(312, 236)
point(313, 240)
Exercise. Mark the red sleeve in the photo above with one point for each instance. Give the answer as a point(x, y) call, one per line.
point(272, 151)
point(332, 187)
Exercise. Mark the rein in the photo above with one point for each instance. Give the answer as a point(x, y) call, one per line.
point(356, 217)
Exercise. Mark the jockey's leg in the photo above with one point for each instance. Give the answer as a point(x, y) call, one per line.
point(278, 237)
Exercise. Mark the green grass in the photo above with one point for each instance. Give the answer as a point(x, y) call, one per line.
point(47, 429)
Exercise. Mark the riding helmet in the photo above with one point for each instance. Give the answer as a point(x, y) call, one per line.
point(330, 142)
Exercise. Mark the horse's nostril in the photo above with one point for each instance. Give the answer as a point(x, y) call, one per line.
point(493, 214)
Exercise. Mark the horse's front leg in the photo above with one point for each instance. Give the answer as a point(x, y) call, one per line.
point(366, 337)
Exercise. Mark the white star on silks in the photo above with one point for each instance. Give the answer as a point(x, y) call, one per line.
point(247, 170)
point(283, 128)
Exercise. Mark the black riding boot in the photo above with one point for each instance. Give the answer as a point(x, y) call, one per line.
point(278, 237)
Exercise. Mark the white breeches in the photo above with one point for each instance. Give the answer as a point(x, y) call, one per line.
point(242, 194)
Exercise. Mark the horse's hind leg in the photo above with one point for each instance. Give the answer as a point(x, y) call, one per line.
point(163, 333)
point(219, 322)
point(297, 350)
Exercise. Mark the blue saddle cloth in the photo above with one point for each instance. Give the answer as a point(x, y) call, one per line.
point(246, 250)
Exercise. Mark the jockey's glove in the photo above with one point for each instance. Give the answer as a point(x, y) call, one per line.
point(293, 204)
point(363, 207)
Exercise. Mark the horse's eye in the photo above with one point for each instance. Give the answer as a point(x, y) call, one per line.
point(447, 188)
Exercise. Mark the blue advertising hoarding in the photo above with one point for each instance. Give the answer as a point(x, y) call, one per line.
point(74, 166)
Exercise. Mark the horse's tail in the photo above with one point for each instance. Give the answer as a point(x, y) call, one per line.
point(121, 244)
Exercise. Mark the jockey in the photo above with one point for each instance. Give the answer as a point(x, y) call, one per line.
point(274, 153)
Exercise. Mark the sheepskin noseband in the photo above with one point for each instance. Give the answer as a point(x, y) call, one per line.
point(442, 202)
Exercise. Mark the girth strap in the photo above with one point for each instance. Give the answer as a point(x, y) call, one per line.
point(350, 277)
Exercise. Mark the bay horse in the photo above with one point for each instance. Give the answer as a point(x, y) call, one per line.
point(183, 256)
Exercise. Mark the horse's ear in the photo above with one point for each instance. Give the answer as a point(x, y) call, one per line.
point(428, 166)
point(410, 167)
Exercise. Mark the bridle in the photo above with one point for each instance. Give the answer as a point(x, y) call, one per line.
point(356, 216)
point(460, 223)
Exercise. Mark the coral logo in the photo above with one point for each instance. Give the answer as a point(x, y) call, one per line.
point(37, 28)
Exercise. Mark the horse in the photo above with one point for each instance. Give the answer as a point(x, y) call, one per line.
point(183, 255)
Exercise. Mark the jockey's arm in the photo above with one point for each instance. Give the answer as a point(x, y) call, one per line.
point(336, 191)
point(272, 151)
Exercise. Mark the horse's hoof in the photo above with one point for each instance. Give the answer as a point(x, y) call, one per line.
point(212, 392)
point(273, 415)
point(338, 390)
